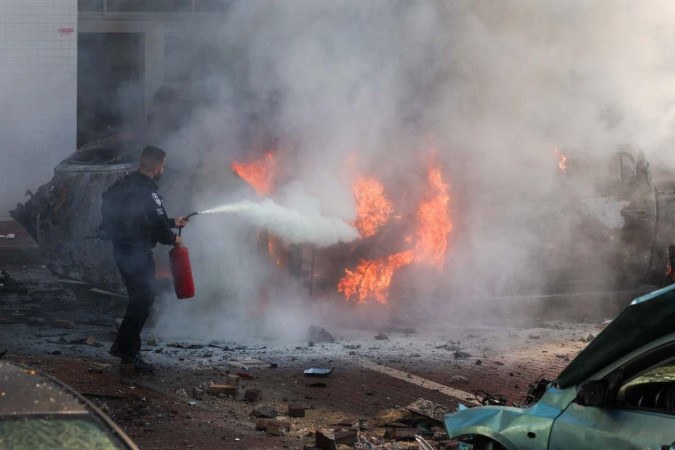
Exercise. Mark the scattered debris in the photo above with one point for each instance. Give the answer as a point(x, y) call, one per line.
point(349, 423)
point(317, 385)
point(479, 362)
point(406, 434)
point(185, 346)
point(99, 368)
point(318, 372)
point(90, 340)
point(428, 409)
point(590, 337)
point(319, 334)
point(222, 390)
point(533, 336)
point(265, 411)
point(197, 393)
point(261, 424)
point(295, 410)
point(9, 284)
point(278, 427)
point(327, 439)
point(352, 346)
point(459, 354)
point(65, 324)
point(245, 376)
point(451, 346)
point(423, 444)
point(247, 364)
point(180, 392)
point(381, 337)
point(252, 395)
point(460, 378)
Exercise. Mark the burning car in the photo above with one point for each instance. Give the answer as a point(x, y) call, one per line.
point(39, 412)
point(618, 393)
point(611, 201)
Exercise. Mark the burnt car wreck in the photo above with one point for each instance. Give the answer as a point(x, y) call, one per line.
point(613, 200)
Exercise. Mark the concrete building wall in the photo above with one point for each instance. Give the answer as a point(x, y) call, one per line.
point(38, 93)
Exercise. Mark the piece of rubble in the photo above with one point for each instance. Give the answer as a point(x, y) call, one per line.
point(65, 324)
point(428, 409)
point(252, 395)
point(197, 393)
point(222, 389)
point(460, 378)
point(327, 439)
point(319, 334)
point(295, 410)
point(318, 371)
point(590, 337)
point(185, 346)
point(118, 322)
point(180, 392)
point(261, 424)
point(265, 411)
point(381, 337)
point(460, 354)
point(233, 380)
point(479, 362)
point(349, 423)
point(90, 340)
point(352, 346)
point(98, 368)
point(406, 434)
point(278, 427)
point(533, 336)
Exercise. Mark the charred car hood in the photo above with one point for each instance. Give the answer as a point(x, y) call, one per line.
point(646, 319)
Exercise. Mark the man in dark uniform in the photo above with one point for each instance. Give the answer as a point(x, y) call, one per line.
point(135, 220)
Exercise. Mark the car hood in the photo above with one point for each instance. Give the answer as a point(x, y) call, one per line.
point(647, 318)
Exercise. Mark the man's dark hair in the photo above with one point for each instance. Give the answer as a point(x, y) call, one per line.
point(153, 154)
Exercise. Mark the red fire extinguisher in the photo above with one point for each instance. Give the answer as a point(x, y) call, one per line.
point(182, 271)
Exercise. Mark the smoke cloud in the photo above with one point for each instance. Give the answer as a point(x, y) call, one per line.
point(490, 87)
point(291, 226)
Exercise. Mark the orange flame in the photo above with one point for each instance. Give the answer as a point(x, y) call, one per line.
point(372, 278)
point(372, 207)
point(562, 162)
point(258, 173)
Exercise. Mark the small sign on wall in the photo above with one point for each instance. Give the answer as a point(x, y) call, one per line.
point(66, 31)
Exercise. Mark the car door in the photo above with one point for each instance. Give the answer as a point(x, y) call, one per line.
point(639, 412)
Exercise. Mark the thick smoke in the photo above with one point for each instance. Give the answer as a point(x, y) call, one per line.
point(289, 225)
point(491, 87)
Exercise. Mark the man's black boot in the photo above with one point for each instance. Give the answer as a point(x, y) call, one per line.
point(115, 351)
point(140, 366)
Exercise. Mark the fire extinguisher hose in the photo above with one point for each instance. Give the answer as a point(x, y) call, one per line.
point(187, 217)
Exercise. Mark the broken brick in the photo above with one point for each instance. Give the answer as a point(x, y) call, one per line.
point(222, 389)
point(349, 423)
point(278, 427)
point(295, 410)
point(261, 424)
point(330, 440)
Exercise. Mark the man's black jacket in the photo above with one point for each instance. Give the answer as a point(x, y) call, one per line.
point(136, 219)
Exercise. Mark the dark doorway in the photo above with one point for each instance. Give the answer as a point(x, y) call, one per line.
point(110, 84)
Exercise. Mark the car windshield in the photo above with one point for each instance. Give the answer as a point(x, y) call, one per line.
point(46, 433)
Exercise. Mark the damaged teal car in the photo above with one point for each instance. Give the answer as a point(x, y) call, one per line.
point(618, 393)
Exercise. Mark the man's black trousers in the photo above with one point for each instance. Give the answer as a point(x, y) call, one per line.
point(138, 272)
